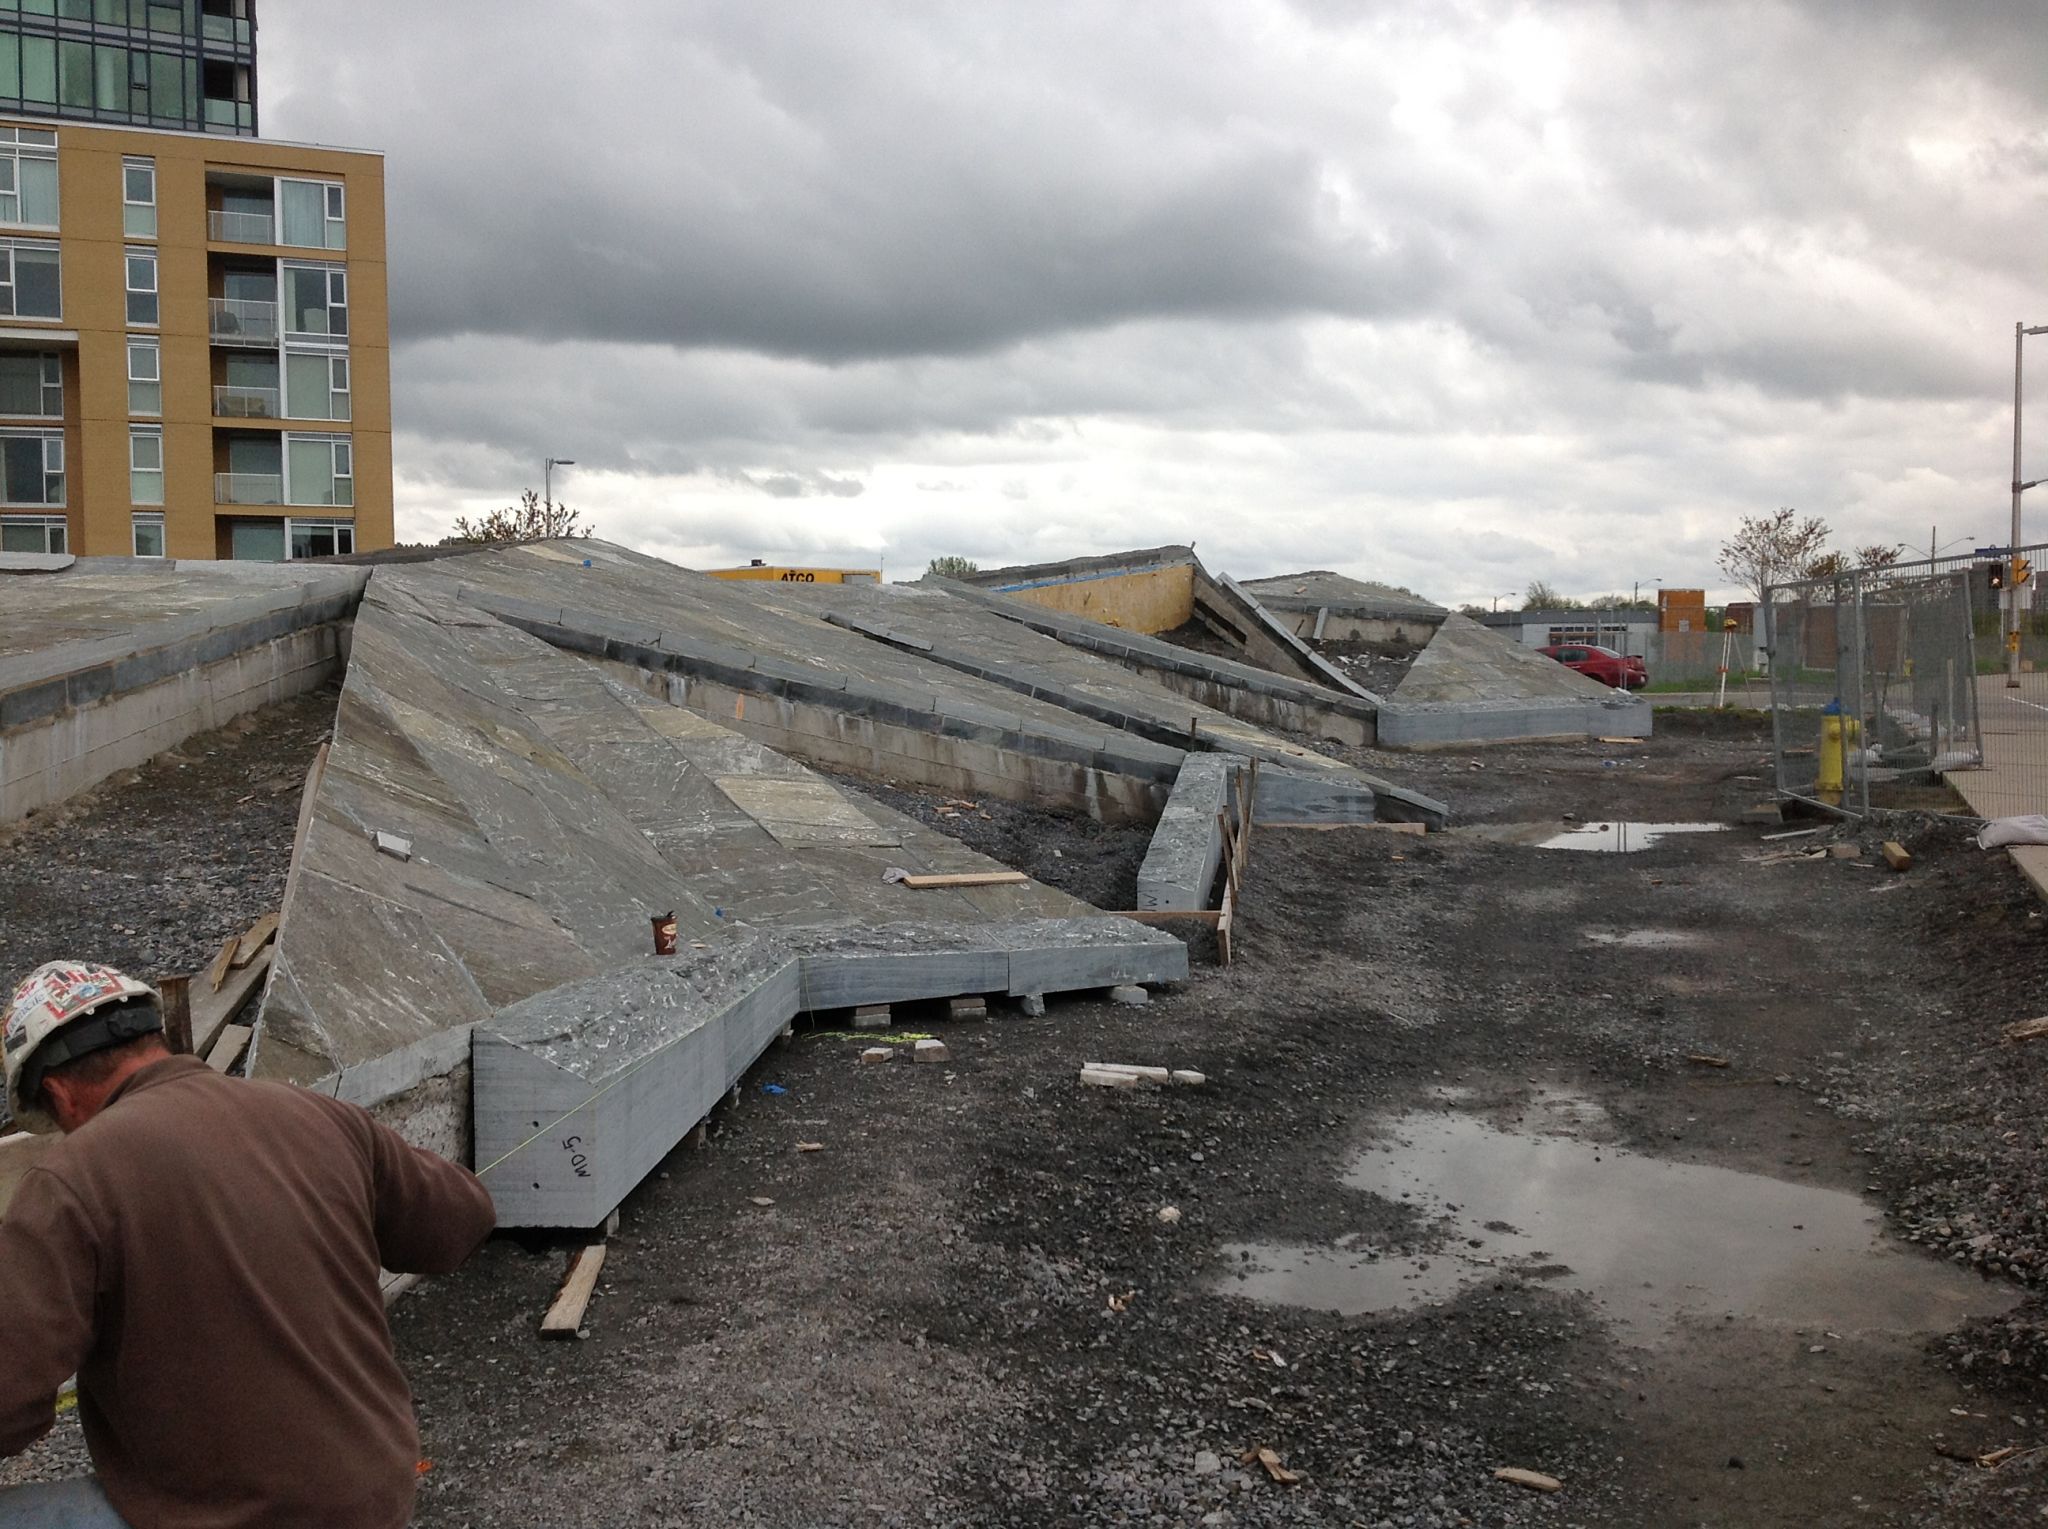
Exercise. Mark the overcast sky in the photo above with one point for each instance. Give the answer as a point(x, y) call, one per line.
point(1454, 295)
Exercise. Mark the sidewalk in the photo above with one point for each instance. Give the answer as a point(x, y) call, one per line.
point(2014, 778)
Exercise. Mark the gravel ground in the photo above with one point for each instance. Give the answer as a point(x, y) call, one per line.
point(966, 1309)
point(153, 869)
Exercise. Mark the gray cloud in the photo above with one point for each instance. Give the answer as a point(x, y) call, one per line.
point(1305, 279)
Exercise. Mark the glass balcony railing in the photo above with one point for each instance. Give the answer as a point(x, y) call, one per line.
point(229, 116)
point(244, 321)
point(241, 227)
point(247, 403)
point(248, 488)
point(234, 29)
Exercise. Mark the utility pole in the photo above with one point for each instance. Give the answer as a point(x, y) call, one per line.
point(2012, 593)
point(547, 480)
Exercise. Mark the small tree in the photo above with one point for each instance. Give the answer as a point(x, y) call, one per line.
point(528, 521)
point(1879, 555)
point(1541, 597)
point(1769, 549)
point(950, 567)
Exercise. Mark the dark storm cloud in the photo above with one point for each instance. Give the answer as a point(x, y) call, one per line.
point(1312, 274)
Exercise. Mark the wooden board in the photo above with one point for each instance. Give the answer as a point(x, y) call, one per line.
point(1385, 828)
point(967, 879)
point(234, 1040)
point(1896, 855)
point(254, 939)
point(565, 1314)
point(223, 963)
point(212, 1011)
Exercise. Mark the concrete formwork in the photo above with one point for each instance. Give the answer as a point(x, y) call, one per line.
point(538, 809)
point(108, 661)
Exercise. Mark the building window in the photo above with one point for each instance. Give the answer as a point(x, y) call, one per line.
point(316, 301)
point(31, 385)
point(28, 177)
point(32, 467)
point(312, 214)
point(145, 464)
point(319, 538)
point(316, 385)
point(319, 470)
point(142, 287)
point(34, 533)
point(138, 198)
point(257, 541)
point(30, 286)
point(145, 376)
point(149, 535)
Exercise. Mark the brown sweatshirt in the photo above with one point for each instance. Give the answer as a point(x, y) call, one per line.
point(203, 1253)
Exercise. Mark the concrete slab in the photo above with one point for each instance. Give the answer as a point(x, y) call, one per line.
point(553, 808)
point(953, 629)
point(1187, 848)
point(1322, 590)
point(1471, 685)
point(110, 660)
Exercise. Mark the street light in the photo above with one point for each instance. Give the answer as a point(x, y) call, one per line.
point(1934, 552)
point(547, 478)
point(2012, 594)
point(1636, 590)
point(1498, 598)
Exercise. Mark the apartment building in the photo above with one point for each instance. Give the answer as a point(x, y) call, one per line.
point(194, 343)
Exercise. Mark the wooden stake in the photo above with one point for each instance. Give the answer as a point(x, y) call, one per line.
point(1896, 855)
point(176, 995)
point(254, 939)
point(572, 1297)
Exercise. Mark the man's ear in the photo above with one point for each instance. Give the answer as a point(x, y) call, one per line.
point(61, 1097)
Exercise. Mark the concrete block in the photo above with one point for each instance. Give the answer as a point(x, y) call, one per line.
point(930, 1051)
point(1130, 996)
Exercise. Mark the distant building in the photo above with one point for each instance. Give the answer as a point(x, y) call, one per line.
point(1625, 631)
point(194, 339)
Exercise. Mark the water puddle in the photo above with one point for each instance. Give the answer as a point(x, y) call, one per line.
point(1649, 1240)
point(1646, 939)
point(1623, 838)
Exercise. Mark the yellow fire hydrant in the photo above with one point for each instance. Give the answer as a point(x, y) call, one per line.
point(1838, 734)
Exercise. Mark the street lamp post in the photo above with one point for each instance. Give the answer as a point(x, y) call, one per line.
point(2012, 593)
point(547, 479)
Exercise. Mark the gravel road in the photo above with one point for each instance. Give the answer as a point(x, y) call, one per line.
point(968, 1309)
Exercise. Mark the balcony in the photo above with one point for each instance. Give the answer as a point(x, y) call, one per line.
point(244, 321)
point(246, 403)
point(228, 29)
point(248, 488)
point(241, 227)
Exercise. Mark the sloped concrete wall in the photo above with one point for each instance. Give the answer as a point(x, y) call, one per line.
point(1139, 592)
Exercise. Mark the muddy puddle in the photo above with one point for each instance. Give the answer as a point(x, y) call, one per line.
point(1650, 1241)
point(1623, 838)
point(1609, 836)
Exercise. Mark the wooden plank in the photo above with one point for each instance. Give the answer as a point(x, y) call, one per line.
point(1896, 855)
point(565, 1314)
point(255, 938)
point(234, 1040)
point(212, 1011)
point(967, 879)
point(217, 973)
point(1223, 927)
point(175, 996)
point(1385, 828)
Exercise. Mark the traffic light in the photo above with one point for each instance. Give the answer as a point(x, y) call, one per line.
point(1997, 574)
point(2020, 569)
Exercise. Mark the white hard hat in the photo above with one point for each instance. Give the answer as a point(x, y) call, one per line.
point(49, 1024)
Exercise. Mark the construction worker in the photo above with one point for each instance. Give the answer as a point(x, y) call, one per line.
point(202, 1252)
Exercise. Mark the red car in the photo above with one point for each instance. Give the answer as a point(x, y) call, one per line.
point(1621, 672)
